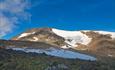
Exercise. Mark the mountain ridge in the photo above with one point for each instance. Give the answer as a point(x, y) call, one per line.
point(95, 42)
point(91, 42)
point(50, 35)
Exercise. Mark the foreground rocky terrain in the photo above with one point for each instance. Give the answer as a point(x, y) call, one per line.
point(16, 60)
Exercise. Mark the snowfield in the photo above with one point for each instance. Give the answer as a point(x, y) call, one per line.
point(57, 52)
point(73, 37)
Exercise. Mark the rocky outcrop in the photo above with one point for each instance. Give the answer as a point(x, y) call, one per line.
point(41, 35)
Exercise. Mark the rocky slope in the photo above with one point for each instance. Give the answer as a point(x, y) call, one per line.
point(97, 42)
point(41, 35)
point(67, 39)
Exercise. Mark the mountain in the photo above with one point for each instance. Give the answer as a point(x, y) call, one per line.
point(95, 43)
point(93, 48)
point(66, 39)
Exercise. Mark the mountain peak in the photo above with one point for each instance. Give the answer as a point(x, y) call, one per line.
point(64, 38)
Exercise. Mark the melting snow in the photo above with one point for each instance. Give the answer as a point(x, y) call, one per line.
point(57, 52)
point(110, 55)
point(35, 39)
point(25, 34)
point(73, 37)
point(106, 32)
point(64, 47)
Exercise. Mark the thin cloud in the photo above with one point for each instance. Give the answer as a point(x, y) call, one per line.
point(11, 13)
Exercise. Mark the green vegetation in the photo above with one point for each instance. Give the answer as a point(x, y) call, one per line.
point(12, 60)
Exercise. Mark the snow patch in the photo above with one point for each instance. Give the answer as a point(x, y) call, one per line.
point(25, 34)
point(35, 39)
point(106, 32)
point(110, 55)
point(64, 47)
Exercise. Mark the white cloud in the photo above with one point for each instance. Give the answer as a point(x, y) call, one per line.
point(11, 12)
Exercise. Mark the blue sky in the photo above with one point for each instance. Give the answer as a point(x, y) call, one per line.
point(69, 15)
